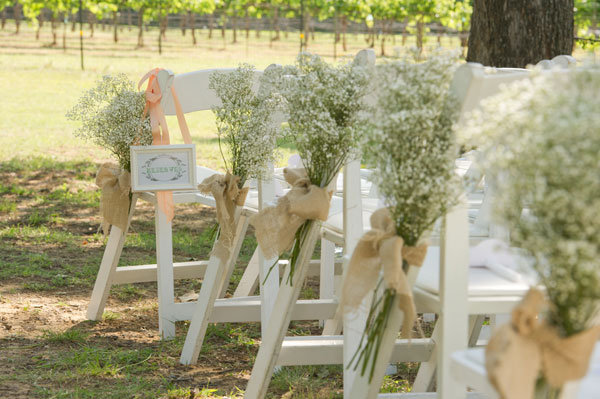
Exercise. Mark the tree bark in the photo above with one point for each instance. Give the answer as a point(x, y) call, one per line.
point(234, 22)
point(3, 17)
point(211, 23)
point(140, 42)
point(91, 20)
point(182, 23)
point(276, 24)
point(40, 25)
point(344, 31)
point(64, 35)
point(17, 16)
point(192, 23)
point(514, 33)
point(53, 25)
point(115, 26)
point(129, 20)
point(420, 34)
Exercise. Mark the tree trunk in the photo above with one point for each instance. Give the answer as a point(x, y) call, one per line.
point(140, 42)
point(247, 25)
point(234, 23)
point(182, 23)
point(3, 17)
point(40, 25)
point(91, 20)
point(276, 24)
point(163, 27)
point(344, 31)
point(404, 32)
point(514, 33)
point(383, 34)
point(306, 28)
point(211, 23)
point(64, 35)
point(115, 26)
point(129, 20)
point(53, 27)
point(17, 16)
point(192, 23)
point(420, 33)
point(223, 23)
point(74, 23)
point(258, 28)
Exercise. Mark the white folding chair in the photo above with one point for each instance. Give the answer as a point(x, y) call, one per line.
point(194, 95)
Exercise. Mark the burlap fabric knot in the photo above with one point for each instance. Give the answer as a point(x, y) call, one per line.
point(227, 195)
point(382, 248)
point(114, 201)
point(276, 226)
point(519, 351)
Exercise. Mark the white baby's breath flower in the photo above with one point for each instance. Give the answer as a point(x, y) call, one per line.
point(245, 122)
point(411, 144)
point(111, 117)
point(540, 141)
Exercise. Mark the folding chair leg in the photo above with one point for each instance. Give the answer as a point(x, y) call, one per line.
point(249, 281)
point(108, 266)
point(326, 278)
point(362, 388)
point(214, 280)
point(164, 270)
point(262, 371)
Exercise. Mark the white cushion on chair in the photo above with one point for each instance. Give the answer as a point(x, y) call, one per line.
point(482, 281)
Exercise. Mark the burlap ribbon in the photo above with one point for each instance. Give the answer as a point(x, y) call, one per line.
point(160, 131)
point(227, 195)
point(276, 226)
point(519, 351)
point(381, 247)
point(114, 201)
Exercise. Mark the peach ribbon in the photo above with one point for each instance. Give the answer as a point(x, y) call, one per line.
point(160, 131)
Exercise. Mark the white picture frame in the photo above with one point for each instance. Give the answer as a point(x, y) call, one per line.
point(163, 167)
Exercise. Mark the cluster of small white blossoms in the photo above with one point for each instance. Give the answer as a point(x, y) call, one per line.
point(111, 117)
point(322, 103)
point(411, 144)
point(540, 140)
point(245, 123)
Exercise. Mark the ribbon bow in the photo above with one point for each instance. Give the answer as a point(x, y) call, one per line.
point(160, 131)
point(275, 226)
point(519, 351)
point(382, 248)
point(114, 201)
point(227, 195)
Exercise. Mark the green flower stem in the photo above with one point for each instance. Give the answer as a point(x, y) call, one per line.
point(377, 322)
point(543, 390)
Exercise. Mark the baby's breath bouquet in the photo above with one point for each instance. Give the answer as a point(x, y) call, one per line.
point(322, 103)
point(245, 124)
point(411, 145)
point(111, 117)
point(540, 139)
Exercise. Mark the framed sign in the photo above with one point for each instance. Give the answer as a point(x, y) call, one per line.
point(163, 167)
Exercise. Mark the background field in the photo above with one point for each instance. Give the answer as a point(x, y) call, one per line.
point(50, 248)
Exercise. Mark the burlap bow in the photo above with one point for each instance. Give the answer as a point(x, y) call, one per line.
point(114, 201)
point(381, 247)
point(276, 226)
point(519, 351)
point(227, 194)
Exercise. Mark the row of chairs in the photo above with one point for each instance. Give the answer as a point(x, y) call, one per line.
point(445, 285)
